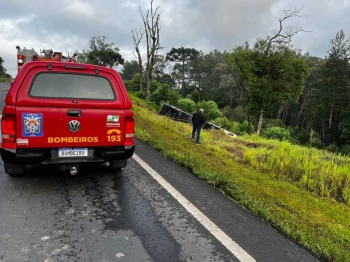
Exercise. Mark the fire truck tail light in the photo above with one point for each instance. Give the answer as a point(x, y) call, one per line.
point(129, 131)
point(20, 61)
point(8, 128)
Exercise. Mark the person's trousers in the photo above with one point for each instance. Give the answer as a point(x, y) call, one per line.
point(196, 129)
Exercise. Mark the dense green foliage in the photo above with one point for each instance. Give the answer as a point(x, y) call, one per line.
point(101, 53)
point(187, 105)
point(129, 70)
point(3, 75)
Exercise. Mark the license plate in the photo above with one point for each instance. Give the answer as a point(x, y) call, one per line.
point(72, 152)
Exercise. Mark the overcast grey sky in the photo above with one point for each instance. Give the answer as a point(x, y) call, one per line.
point(201, 24)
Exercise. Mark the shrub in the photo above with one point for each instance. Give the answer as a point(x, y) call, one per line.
point(239, 114)
point(164, 94)
point(186, 105)
point(277, 133)
point(241, 128)
point(5, 78)
point(223, 122)
point(211, 110)
point(140, 94)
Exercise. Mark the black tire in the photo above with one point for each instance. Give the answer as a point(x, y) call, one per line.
point(14, 170)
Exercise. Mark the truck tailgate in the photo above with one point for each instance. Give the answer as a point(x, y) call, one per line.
point(38, 127)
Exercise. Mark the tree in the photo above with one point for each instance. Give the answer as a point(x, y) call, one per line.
point(101, 53)
point(160, 66)
point(195, 96)
point(151, 21)
point(130, 69)
point(2, 69)
point(137, 36)
point(163, 93)
point(227, 93)
point(337, 72)
point(3, 75)
point(205, 72)
point(270, 72)
point(332, 92)
point(134, 83)
point(308, 99)
point(182, 55)
point(344, 126)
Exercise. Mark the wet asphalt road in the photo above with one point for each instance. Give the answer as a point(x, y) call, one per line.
point(48, 215)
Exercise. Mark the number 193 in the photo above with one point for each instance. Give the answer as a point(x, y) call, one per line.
point(113, 138)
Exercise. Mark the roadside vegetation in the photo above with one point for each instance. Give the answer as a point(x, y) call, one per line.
point(4, 77)
point(303, 192)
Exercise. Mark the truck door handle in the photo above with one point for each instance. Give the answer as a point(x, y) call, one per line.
point(74, 112)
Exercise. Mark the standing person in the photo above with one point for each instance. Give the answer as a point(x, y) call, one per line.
point(198, 120)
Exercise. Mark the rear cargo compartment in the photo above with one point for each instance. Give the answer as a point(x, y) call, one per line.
point(58, 127)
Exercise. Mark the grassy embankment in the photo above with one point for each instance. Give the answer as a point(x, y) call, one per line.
point(302, 192)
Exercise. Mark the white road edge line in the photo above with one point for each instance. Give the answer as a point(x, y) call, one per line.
point(232, 246)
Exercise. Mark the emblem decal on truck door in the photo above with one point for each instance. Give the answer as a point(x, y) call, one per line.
point(32, 125)
point(112, 121)
point(74, 125)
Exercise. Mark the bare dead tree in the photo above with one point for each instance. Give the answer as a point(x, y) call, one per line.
point(285, 37)
point(151, 21)
point(137, 36)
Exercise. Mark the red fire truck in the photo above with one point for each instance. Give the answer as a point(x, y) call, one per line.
point(26, 55)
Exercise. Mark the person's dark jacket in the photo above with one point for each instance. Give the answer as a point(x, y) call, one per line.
point(198, 119)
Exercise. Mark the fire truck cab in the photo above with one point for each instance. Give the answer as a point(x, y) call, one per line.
point(27, 55)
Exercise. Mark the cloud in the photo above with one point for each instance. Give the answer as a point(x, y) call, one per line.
point(204, 25)
point(79, 8)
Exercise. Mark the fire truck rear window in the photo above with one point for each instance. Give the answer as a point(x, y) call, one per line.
point(59, 85)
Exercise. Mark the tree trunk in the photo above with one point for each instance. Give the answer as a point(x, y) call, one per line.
point(149, 83)
point(285, 113)
point(137, 38)
point(300, 112)
point(141, 78)
point(330, 115)
point(258, 129)
point(183, 79)
point(280, 112)
point(152, 29)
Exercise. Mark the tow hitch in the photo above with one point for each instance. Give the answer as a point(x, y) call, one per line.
point(73, 170)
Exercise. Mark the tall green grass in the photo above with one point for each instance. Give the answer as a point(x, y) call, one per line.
point(320, 172)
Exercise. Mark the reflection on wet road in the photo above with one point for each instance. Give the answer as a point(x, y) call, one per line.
point(97, 216)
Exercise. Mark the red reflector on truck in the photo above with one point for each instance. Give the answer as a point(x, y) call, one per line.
point(129, 131)
point(8, 128)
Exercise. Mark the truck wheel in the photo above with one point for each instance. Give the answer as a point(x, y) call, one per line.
point(14, 170)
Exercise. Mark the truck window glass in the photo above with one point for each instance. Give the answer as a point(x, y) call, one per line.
point(63, 85)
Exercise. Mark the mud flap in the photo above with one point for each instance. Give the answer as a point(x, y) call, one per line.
point(14, 170)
